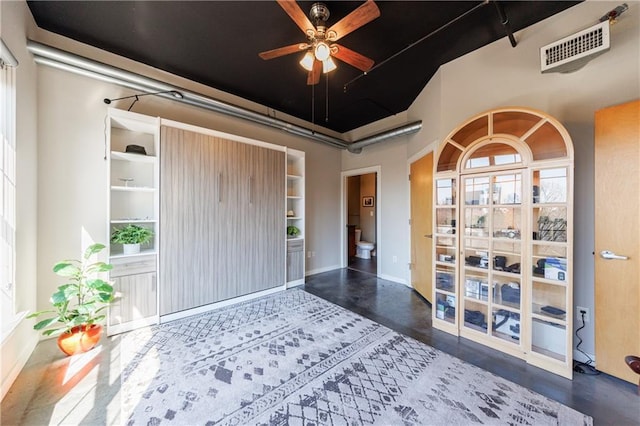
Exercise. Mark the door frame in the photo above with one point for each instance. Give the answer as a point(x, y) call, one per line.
point(344, 255)
point(432, 147)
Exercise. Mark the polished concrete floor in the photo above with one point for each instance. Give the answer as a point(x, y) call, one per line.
point(363, 265)
point(85, 389)
point(608, 400)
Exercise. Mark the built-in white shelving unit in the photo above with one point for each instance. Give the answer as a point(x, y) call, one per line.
point(295, 216)
point(133, 198)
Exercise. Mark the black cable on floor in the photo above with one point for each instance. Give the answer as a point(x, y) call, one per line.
point(583, 367)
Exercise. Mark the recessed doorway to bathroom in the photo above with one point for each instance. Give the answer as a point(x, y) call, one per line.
point(361, 199)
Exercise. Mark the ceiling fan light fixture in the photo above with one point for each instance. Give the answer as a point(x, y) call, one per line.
point(307, 61)
point(328, 65)
point(322, 51)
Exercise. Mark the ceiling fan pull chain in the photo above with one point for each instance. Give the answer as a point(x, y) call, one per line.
point(313, 109)
point(326, 97)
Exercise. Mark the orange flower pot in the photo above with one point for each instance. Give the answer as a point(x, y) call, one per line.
point(80, 339)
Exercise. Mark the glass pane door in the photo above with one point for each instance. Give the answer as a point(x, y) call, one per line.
point(492, 246)
point(445, 242)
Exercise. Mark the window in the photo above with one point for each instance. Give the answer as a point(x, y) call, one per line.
point(7, 187)
point(495, 154)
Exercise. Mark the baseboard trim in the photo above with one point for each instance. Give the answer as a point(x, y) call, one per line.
point(383, 276)
point(221, 304)
point(580, 357)
point(296, 283)
point(321, 270)
point(22, 359)
point(394, 279)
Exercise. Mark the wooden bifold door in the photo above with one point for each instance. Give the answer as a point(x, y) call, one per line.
point(221, 209)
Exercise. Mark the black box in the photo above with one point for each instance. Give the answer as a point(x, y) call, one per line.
point(444, 281)
point(510, 294)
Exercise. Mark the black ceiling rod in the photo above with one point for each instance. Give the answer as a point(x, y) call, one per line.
point(504, 20)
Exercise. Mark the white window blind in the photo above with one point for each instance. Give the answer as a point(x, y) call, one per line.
point(7, 187)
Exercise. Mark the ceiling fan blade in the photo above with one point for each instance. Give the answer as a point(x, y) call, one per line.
point(297, 15)
point(281, 51)
point(314, 74)
point(366, 12)
point(352, 58)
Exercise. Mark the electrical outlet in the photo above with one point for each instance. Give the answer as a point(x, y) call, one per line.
point(579, 311)
point(395, 259)
point(309, 255)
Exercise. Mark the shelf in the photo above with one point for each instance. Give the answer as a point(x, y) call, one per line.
point(135, 158)
point(132, 188)
point(547, 353)
point(477, 300)
point(294, 217)
point(294, 197)
point(476, 269)
point(506, 240)
point(484, 233)
point(118, 221)
point(511, 307)
point(508, 338)
point(505, 274)
point(120, 255)
point(476, 328)
point(298, 238)
point(548, 243)
point(543, 280)
point(548, 318)
point(507, 252)
point(448, 293)
point(294, 177)
point(542, 205)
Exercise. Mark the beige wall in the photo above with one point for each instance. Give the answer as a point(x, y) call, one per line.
point(499, 75)
point(71, 123)
point(15, 23)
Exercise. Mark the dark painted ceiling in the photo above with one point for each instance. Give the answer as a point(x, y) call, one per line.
point(217, 43)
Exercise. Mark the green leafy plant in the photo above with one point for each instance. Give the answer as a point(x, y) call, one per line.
point(131, 234)
point(293, 231)
point(81, 300)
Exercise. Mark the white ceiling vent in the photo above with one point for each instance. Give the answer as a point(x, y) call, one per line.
point(573, 52)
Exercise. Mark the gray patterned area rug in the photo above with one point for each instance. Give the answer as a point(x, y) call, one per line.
point(294, 359)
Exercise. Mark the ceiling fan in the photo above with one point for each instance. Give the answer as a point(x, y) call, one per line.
point(321, 43)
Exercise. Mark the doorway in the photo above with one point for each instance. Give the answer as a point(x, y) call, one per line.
point(361, 220)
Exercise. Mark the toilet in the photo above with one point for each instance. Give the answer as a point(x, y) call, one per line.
point(363, 248)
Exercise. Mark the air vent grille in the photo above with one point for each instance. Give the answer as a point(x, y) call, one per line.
point(571, 53)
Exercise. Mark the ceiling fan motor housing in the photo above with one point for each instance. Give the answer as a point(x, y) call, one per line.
point(319, 13)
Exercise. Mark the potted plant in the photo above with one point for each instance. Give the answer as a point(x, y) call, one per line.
point(78, 304)
point(131, 236)
point(292, 231)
